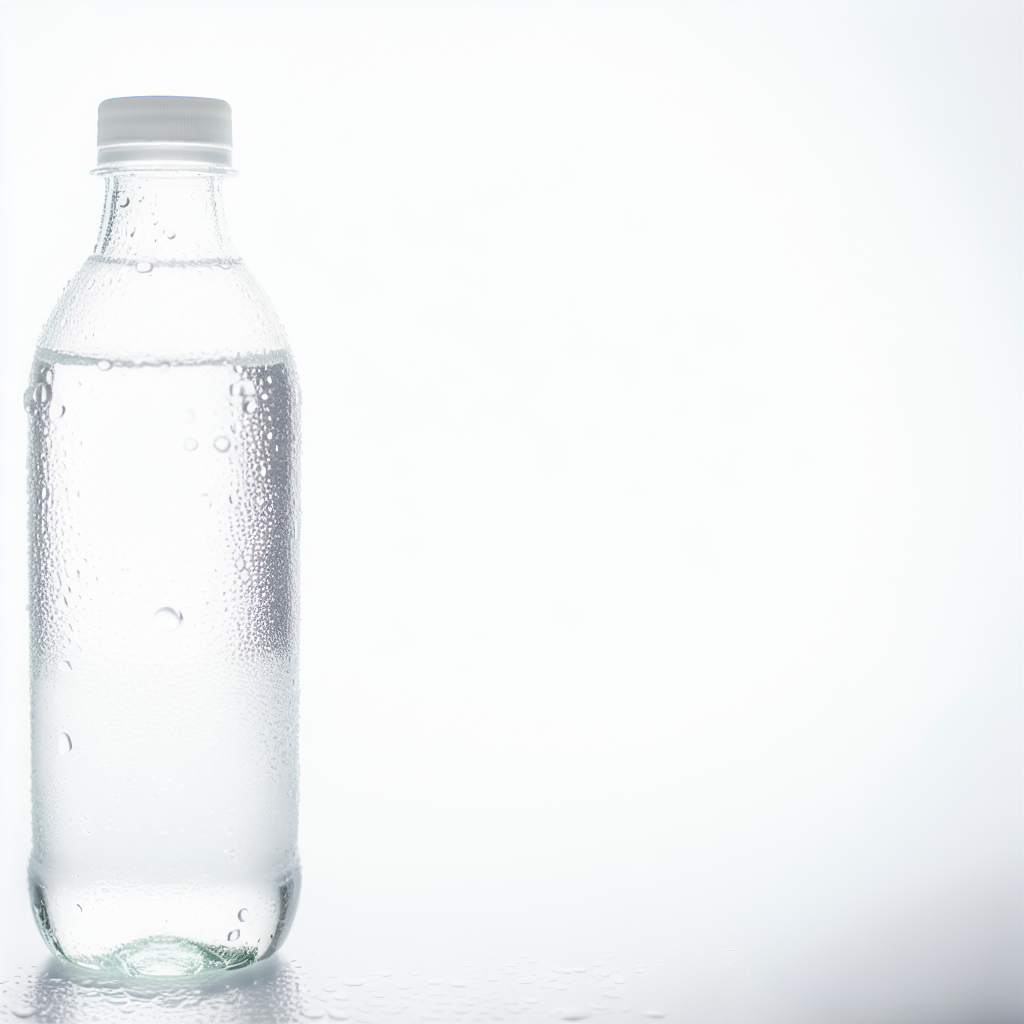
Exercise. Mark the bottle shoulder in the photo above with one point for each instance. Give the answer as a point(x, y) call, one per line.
point(124, 309)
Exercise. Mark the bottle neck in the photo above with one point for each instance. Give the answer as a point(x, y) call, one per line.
point(164, 216)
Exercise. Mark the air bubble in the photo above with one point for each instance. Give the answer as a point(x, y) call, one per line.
point(222, 444)
point(572, 1013)
point(190, 444)
point(78, 907)
point(124, 202)
point(65, 666)
point(233, 934)
point(143, 267)
point(41, 394)
point(104, 364)
point(242, 387)
point(169, 234)
point(64, 743)
point(243, 914)
point(251, 405)
point(167, 618)
point(56, 411)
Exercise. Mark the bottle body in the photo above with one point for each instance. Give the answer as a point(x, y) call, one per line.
point(164, 524)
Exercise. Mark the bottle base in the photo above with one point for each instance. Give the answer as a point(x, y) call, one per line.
point(108, 927)
point(167, 956)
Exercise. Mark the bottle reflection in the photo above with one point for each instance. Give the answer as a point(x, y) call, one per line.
point(268, 992)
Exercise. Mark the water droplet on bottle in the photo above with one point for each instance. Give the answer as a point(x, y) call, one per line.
point(251, 405)
point(169, 234)
point(56, 411)
point(237, 369)
point(64, 743)
point(44, 493)
point(222, 444)
point(233, 934)
point(655, 1014)
point(41, 394)
point(24, 1012)
point(143, 267)
point(572, 1013)
point(242, 387)
point(167, 618)
point(243, 914)
point(103, 364)
point(65, 666)
point(124, 202)
point(190, 444)
point(78, 907)
point(164, 367)
point(244, 576)
point(353, 981)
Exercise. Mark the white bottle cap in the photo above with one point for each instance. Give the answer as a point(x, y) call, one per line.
point(163, 131)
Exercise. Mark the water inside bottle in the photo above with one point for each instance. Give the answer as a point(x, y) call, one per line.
point(163, 571)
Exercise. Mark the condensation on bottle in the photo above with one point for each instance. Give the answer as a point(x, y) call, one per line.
point(163, 413)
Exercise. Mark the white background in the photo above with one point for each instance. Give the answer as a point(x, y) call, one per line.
point(661, 570)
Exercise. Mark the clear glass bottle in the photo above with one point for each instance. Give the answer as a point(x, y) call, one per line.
point(163, 416)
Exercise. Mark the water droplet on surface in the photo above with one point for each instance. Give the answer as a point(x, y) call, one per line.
point(243, 914)
point(56, 411)
point(233, 934)
point(572, 1013)
point(190, 444)
point(65, 666)
point(104, 364)
point(143, 267)
point(169, 234)
point(167, 618)
point(64, 743)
